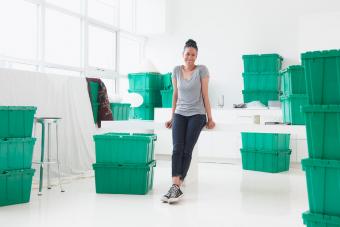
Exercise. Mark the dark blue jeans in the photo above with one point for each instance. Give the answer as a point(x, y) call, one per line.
point(185, 133)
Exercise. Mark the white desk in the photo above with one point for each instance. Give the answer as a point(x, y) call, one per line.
point(223, 142)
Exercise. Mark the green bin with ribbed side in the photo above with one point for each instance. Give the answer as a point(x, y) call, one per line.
point(270, 142)
point(124, 179)
point(16, 153)
point(167, 81)
point(16, 121)
point(323, 185)
point(124, 148)
point(322, 73)
point(167, 98)
point(120, 111)
point(323, 131)
point(142, 113)
point(293, 80)
point(320, 220)
point(264, 161)
point(145, 81)
point(15, 186)
point(262, 63)
point(291, 109)
point(94, 87)
point(262, 96)
point(95, 111)
point(261, 81)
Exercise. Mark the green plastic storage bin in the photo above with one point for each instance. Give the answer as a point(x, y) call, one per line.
point(150, 97)
point(323, 185)
point(15, 186)
point(124, 148)
point(142, 113)
point(16, 153)
point(270, 142)
point(94, 87)
point(145, 81)
point(167, 98)
point(322, 71)
point(16, 121)
point(323, 131)
point(167, 81)
point(320, 220)
point(120, 111)
point(291, 109)
point(262, 63)
point(124, 179)
point(261, 81)
point(262, 96)
point(95, 110)
point(293, 80)
point(263, 161)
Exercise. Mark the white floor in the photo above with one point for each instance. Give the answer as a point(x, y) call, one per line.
point(225, 195)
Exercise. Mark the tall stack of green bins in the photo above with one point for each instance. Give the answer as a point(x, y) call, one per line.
point(322, 168)
point(16, 151)
point(265, 152)
point(261, 77)
point(294, 95)
point(124, 163)
point(148, 85)
point(167, 91)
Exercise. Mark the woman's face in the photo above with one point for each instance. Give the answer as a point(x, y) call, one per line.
point(189, 56)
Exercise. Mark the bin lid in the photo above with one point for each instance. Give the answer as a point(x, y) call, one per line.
point(262, 55)
point(321, 218)
point(18, 108)
point(126, 136)
point(125, 165)
point(321, 108)
point(309, 162)
point(320, 54)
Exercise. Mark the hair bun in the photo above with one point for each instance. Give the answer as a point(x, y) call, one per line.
point(191, 43)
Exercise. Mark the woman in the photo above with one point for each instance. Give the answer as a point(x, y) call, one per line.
point(191, 111)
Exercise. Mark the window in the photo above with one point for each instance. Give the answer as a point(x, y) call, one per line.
point(104, 10)
point(130, 54)
point(62, 37)
point(72, 5)
point(72, 37)
point(102, 48)
point(18, 26)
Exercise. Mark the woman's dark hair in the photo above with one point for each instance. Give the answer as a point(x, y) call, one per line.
point(191, 43)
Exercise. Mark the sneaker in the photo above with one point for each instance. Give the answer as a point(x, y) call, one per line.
point(175, 195)
point(166, 197)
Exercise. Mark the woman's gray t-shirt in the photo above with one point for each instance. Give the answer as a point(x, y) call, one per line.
point(190, 100)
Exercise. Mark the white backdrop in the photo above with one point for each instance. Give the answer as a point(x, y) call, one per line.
point(56, 96)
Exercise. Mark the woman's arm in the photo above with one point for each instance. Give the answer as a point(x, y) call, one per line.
point(205, 95)
point(168, 124)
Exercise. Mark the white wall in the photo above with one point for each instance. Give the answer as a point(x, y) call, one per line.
point(226, 29)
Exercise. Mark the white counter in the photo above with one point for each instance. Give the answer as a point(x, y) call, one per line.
point(223, 142)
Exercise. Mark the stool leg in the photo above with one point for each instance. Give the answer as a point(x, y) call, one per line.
point(58, 162)
point(48, 155)
point(42, 158)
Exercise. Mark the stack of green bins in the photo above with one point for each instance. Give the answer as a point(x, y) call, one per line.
point(124, 163)
point(167, 91)
point(16, 152)
point(294, 95)
point(265, 152)
point(261, 77)
point(148, 85)
point(322, 168)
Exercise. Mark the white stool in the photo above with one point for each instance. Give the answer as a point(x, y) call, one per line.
point(49, 121)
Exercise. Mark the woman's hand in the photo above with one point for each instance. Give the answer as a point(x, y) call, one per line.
point(168, 124)
point(210, 124)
